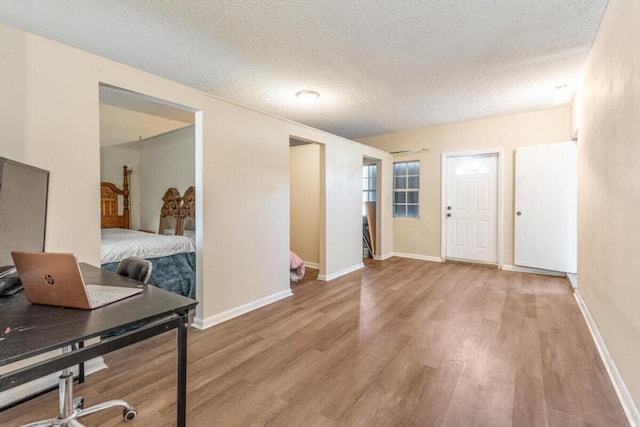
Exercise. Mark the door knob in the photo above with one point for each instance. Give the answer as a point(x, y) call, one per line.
point(448, 215)
point(518, 213)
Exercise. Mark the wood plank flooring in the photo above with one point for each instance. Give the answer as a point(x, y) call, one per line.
point(400, 343)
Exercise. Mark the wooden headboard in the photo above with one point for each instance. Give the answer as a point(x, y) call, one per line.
point(170, 212)
point(109, 194)
point(177, 212)
point(187, 211)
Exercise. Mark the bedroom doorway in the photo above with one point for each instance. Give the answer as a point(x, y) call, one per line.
point(157, 142)
point(305, 201)
point(370, 208)
point(139, 131)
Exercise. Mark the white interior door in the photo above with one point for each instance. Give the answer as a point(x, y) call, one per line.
point(546, 207)
point(471, 208)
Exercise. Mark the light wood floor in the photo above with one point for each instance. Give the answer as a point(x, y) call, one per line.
point(401, 343)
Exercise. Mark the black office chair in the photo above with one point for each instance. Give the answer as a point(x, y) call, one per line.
point(136, 268)
point(70, 408)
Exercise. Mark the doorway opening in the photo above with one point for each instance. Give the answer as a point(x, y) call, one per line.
point(370, 207)
point(159, 143)
point(472, 206)
point(305, 208)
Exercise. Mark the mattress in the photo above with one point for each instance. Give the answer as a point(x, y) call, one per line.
point(118, 244)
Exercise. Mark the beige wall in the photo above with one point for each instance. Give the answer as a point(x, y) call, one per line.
point(609, 188)
point(56, 97)
point(13, 85)
point(242, 171)
point(421, 236)
point(304, 194)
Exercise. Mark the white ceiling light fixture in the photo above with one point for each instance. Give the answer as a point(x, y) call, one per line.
point(308, 96)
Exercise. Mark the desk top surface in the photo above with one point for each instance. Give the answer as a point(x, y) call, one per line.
point(29, 329)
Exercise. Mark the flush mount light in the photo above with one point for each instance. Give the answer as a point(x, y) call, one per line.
point(308, 96)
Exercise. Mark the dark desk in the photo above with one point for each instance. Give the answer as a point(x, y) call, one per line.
point(27, 330)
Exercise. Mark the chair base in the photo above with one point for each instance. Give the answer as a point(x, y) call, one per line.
point(71, 409)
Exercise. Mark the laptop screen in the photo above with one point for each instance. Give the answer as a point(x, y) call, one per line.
point(23, 208)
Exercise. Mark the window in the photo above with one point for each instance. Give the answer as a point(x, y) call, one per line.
point(368, 185)
point(472, 167)
point(406, 184)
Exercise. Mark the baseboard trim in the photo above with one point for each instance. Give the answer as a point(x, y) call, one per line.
point(332, 276)
point(200, 323)
point(313, 265)
point(573, 279)
point(418, 256)
point(383, 257)
point(629, 406)
point(36, 386)
point(519, 269)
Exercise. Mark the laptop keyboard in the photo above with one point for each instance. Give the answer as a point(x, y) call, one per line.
point(98, 298)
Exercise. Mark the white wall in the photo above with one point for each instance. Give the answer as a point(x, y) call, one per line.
point(609, 189)
point(304, 195)
point(344, 210)
point(244, 177)
point(167, 160)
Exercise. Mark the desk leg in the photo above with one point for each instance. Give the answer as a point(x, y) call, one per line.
point(182, 376)
point(81, 366)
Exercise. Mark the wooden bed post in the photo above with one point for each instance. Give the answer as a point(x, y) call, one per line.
point(126, 172)
point(109, 192)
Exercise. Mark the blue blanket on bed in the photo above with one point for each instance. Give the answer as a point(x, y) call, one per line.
point(175, 273)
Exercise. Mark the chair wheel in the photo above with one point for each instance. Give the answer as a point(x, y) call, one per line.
point(129, 414)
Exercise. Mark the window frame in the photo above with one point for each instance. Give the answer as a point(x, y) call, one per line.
point(406, 190)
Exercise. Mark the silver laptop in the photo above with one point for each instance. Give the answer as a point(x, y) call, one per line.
point(55, 279)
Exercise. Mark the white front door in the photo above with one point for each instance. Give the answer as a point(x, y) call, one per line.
point(471, 207)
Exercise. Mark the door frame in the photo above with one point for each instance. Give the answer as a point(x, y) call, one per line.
point(322, 199)
point(378, 230)
point(500, 199)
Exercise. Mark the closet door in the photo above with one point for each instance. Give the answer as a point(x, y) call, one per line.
point(546, 207)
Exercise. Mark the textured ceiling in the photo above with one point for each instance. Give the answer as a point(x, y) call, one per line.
point(379, 66)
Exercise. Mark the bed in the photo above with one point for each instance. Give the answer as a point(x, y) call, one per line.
point(296, 267)
point(171, 251)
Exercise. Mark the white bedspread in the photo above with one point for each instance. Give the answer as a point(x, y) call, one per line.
point(118, 244)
